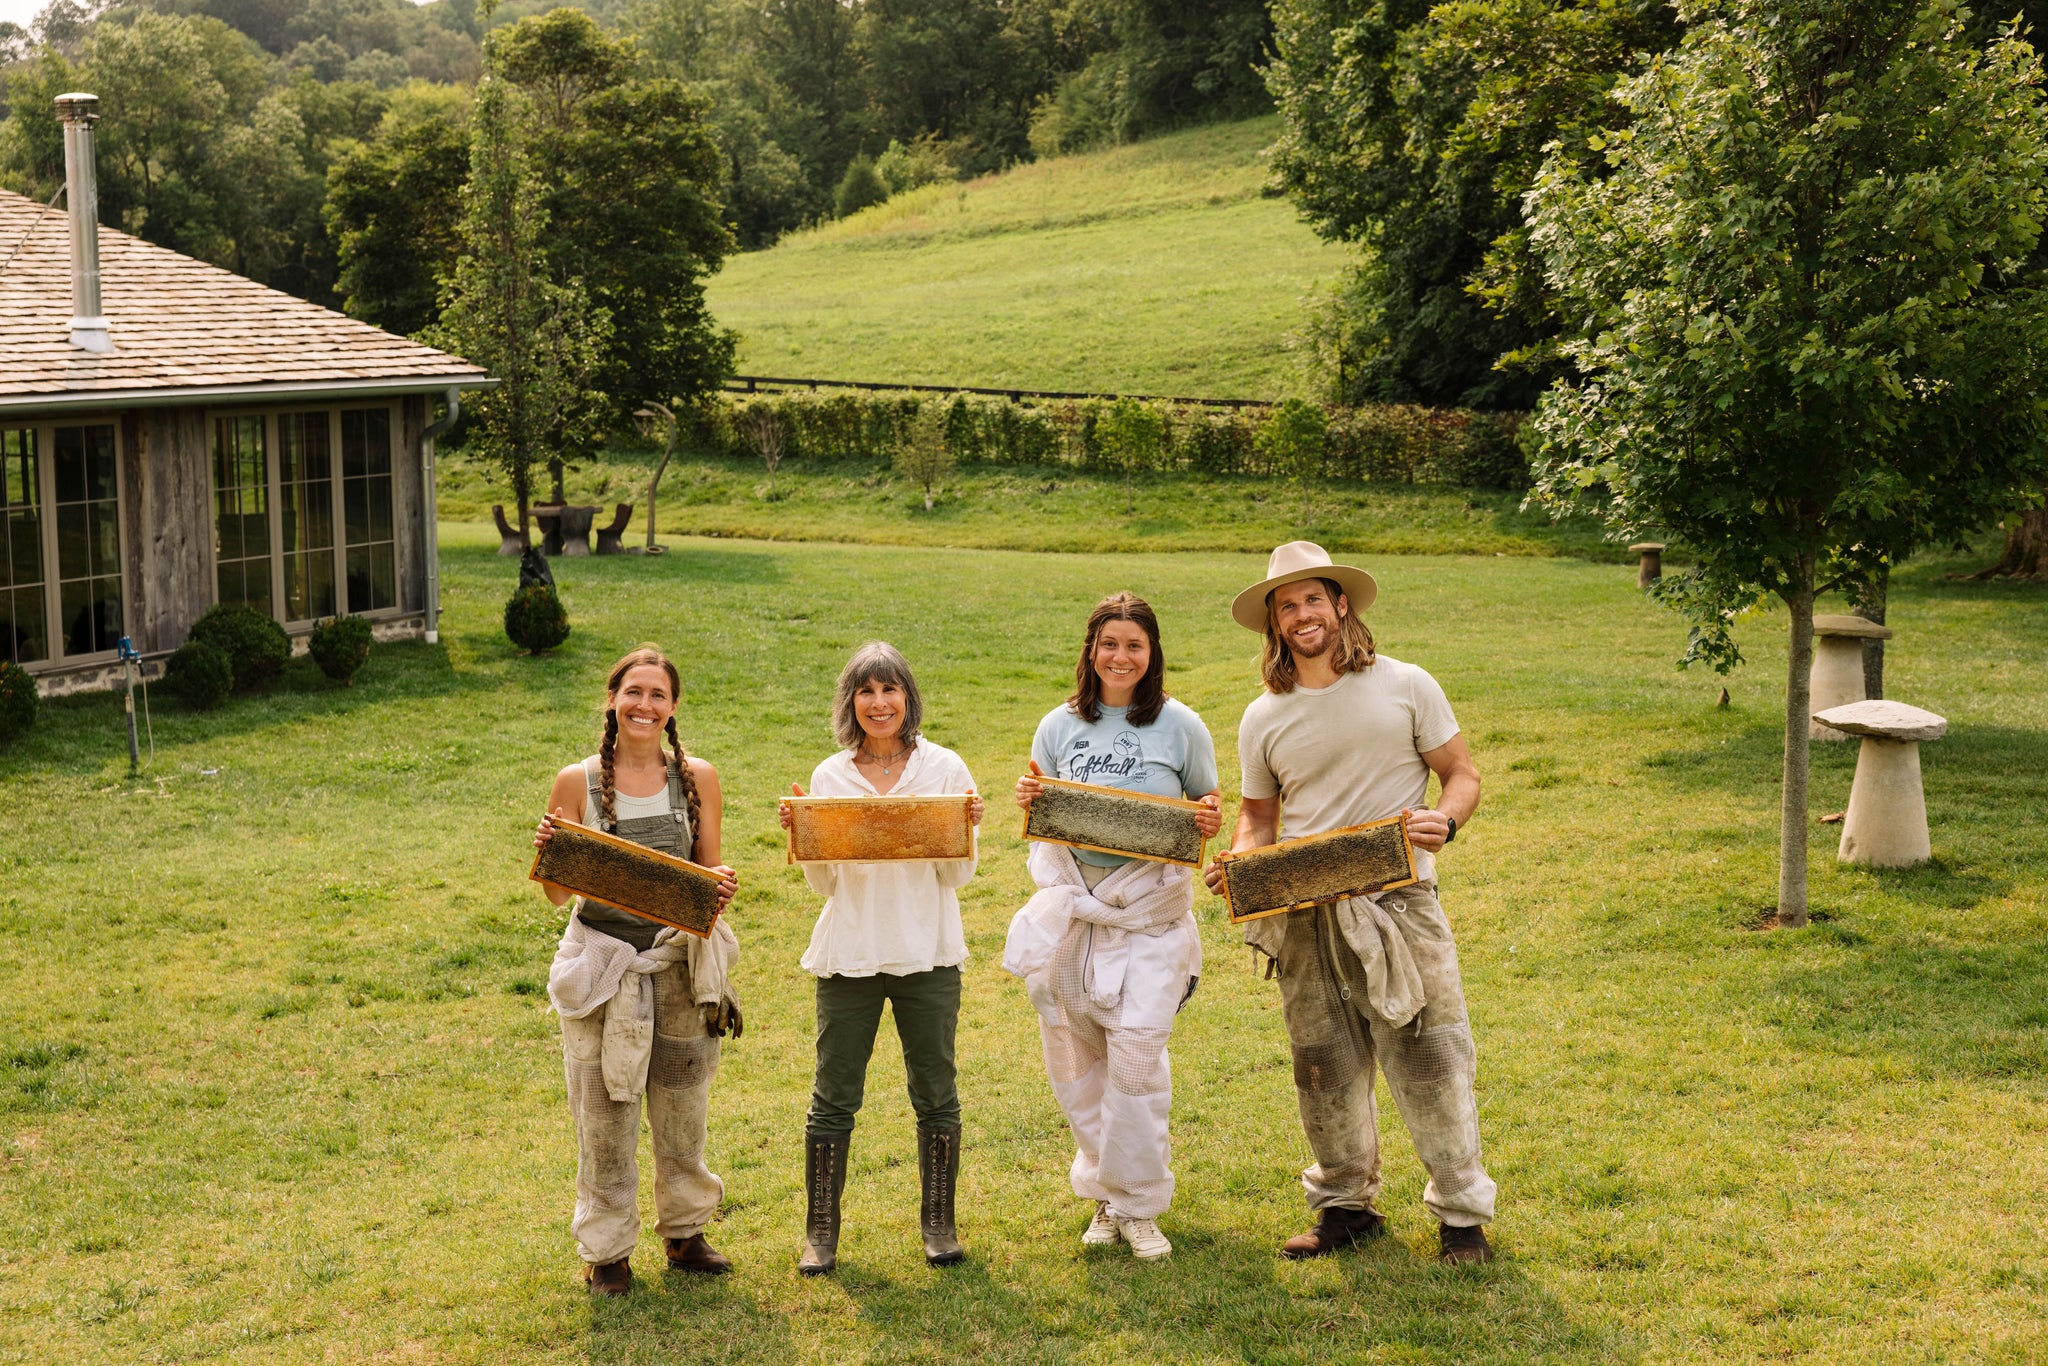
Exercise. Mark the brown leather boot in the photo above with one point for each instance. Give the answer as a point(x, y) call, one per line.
point(938, 1170)
point(1462, 1246)
point(611, 1280)
point(694, 1254)
point(824, 1180)
point(1335, 1227)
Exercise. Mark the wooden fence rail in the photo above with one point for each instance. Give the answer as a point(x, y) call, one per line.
point(755, 384)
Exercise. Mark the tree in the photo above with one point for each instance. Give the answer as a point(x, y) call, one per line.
point(394, 209)
point(1292, 438)
point(1812, 334)
point(860, 188)
point(765, 431)
point(632, 175)
point(540, 338)
point(925, 455)
point(1132, 436)
point(1413, 130)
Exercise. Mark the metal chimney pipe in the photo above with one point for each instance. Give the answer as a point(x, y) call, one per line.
point(79, 112)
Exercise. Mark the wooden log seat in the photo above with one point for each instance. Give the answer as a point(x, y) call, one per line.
point(610, 539)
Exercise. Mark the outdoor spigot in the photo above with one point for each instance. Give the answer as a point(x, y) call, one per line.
point(129, 656)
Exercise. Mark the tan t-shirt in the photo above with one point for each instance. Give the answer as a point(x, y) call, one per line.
point(1349, 753)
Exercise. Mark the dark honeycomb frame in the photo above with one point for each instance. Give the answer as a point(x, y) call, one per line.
point(1296, 874)
point(1113, 821)
point(646, 882)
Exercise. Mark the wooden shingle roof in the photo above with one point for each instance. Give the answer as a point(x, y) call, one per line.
point(183, 331)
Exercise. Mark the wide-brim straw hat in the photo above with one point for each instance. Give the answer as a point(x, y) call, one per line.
point(1295, 561)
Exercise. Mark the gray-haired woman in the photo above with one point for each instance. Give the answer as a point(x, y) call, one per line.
point(889, 933)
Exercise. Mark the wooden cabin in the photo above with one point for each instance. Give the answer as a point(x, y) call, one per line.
point(173, 435)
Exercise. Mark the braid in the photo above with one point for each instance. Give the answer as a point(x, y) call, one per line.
point(691, 801)
point(604, 757)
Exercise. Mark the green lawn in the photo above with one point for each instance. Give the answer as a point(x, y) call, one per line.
point(278, 1084)
point(1060, 508)
point(1160, 268)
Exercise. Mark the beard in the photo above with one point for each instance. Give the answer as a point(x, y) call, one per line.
point(1320, 648)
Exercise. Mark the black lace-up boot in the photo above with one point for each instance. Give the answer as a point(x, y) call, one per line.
point(938, 1171)
point(824, 1180)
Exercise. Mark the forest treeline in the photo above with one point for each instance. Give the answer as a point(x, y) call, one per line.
point(319, 145)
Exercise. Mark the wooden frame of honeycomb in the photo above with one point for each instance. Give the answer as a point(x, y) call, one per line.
point(1296, 874)
point(1113, 821)
point(879, 829)
point(648, 883)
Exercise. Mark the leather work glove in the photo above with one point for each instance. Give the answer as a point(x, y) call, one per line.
point(723, 1018)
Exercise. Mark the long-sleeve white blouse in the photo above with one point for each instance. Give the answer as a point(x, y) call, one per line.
point(894, 918)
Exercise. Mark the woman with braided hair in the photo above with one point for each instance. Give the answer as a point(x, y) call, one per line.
point(643, 1007)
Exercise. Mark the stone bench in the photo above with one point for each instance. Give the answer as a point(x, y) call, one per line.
point(1650, 564)
point(1836, 678)
point(1886, 824)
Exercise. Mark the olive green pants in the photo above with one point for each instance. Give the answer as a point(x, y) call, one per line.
point(927, 1007)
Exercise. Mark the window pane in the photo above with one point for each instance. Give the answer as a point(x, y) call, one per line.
point(380, 507)
point(320, 585)
point(24, 564)
point(21, 626)
point(104, 523)
point(360, 598)
point(73, 537)
point(90, 608)
point(355, 503)
point(71, 464)
point(377, 440)
point(19, 487)
point(384, 571)
point(100, 470)
point(354, 459)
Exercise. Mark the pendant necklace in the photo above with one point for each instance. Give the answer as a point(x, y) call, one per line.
point(877, 759)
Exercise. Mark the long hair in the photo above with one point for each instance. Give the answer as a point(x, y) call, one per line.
point(875, 662)
point(1353, 650)
point(680, 762)
point(1149, 698)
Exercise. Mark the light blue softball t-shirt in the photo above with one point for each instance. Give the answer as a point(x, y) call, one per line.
point(1172, 757)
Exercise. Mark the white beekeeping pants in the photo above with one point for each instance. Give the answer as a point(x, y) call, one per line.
point(679, 1073)
point(1115, 1085)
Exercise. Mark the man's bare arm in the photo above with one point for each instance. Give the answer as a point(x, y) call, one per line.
point(1453, 766)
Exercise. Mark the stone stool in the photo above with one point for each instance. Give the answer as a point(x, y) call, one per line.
point(1836, 679)
point(1650, 567)
point(1886, 824)
point(509, 541)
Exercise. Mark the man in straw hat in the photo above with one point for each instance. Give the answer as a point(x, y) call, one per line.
point(1341, 736)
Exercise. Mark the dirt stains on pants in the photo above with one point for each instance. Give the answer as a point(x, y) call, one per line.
point(1338, 1041)
point(679, 1073)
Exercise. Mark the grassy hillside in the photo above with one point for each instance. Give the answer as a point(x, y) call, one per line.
point(1154, 268)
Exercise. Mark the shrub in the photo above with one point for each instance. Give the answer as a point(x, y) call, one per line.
point(256, 646)
point(340, 646)
point(858, 188)
point(925, 455)
point(18, 701)
point(200, 675)
point(535, 620)
point(1291, 438)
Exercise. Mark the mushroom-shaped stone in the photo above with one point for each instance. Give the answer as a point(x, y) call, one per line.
point(1886, 824)
point(1836, 678)
point(1650, 567)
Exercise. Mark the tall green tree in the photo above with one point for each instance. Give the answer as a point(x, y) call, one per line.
point(1414, 129)
point(541, 338)
point(394, 209)
point(1810, 314)
point(631, 174)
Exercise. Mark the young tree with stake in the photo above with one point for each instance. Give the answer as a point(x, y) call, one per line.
point(1812, 331)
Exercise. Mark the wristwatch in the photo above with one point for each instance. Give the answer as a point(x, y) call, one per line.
point(1453, 822)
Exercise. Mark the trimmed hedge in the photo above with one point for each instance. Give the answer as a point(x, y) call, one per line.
point(200, 675)
point(19, 702)
point(1388, 443)
point(535, 619)
point(255, 645)
point(340, 646)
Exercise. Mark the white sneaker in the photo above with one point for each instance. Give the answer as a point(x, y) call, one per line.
point(1102, 1230)
point(1146, 1241)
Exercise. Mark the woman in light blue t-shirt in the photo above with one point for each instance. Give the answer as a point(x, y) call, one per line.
point(1129, 957)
